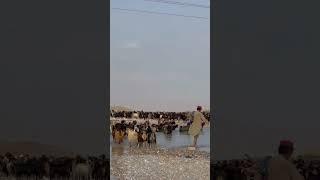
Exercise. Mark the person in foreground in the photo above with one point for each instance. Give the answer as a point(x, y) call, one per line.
point(196, 126)
point(280, 167)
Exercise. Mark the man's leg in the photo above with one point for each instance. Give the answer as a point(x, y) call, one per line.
point(195, 138)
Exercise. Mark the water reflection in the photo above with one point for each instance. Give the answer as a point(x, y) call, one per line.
point(175, 140)
point(168, 137)
point(118, 150)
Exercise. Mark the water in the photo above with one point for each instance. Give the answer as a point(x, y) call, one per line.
point(175, 140)
point(183, 139)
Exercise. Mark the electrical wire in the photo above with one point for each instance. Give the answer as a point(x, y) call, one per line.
point(179, 3)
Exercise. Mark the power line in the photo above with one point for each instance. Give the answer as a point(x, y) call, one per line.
point(160, 13)
point(179, 3)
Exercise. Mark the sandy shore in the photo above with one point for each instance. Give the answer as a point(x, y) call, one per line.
point(175, 164)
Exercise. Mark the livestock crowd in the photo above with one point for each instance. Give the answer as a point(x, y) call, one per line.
point(137, 134)
point(49, 167)
point(155, 115)
point(257, 170)
point(237, 170)
point(141, 134)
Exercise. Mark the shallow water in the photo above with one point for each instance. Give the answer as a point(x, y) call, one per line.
point(175, 140)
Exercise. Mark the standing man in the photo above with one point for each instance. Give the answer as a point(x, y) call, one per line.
point(195, 127)
point(280, 167)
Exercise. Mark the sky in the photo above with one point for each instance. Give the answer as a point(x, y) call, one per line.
point(159, 62)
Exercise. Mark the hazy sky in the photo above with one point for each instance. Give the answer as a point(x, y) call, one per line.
point(159, 62)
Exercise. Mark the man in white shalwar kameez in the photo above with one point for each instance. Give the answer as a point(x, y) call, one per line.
point(280, 167)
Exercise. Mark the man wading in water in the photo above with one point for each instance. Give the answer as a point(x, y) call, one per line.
point(196, 126)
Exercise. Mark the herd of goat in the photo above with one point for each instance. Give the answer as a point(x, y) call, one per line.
point(139, 135)
point(142, 134)
point(155, 115)
point(90, 168)
point(49, 167)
